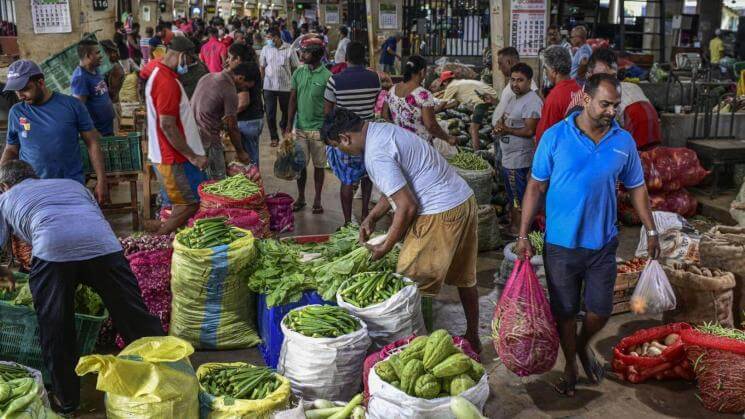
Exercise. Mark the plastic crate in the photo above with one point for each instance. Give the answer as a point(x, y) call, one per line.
point(19, 334)
point(120, 154)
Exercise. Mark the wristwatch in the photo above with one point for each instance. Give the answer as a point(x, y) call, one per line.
point(652, 233)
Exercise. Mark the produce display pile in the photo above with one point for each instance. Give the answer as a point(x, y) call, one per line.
point(431, 367)
point(139, 242)
point(321, 321)
point(369, 288)
point(209, 232)
point(16, 395)
point(325, 409)
point(86, 300)
point(285, 269)
point(467, 160)
point(655, 347)
point(631, 266)
point(12, 372)
point(236, 187)
point(725, 332)
point(455, 122)
point(240, 382)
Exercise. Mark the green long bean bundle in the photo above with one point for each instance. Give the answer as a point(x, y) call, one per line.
point(368, 288)
point(468, 161)
point(240, 382)
point(236, 187)
point(209, 232)
point(321, 321)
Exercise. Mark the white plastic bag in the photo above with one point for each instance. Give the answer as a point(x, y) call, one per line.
point(393, 319)
point(323, 368)
point(653, 293)
point(386, 401)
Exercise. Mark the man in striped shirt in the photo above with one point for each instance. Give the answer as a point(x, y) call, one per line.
point(356, 89)
point(277, 60)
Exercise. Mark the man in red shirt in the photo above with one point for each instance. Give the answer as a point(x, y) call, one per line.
point(174, 146)
point(213, 52)
point(565, 94)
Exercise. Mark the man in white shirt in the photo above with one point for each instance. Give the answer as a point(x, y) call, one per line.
point(340, 56)
point(277, 61)
point(435, 209)
point(506, 59)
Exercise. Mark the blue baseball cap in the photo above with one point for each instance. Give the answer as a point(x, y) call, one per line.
point(18, 74)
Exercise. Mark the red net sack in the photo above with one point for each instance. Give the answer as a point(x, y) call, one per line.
point(525, 338)
point(679, 201)
point(241, 218)
point(676, 166)
point(399, 345)
point(670, 365)
point(254, 202)
point(281, 217)
point(719, 365)
point(651, 176)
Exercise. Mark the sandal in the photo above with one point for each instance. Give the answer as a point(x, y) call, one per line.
point(298, 206)
point(565, 387)
point(594, 370)
point(317, 210)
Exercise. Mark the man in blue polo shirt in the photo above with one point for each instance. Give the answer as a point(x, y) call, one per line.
point(576, 167)
point(88, 85)
point(388, 53)
point(45, 127)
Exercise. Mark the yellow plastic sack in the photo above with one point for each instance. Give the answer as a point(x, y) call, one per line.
point(128, 92)
point(226, 408)
point(151, 378)
point(211, 306)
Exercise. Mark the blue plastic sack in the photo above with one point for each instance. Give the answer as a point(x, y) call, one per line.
point(269, 319)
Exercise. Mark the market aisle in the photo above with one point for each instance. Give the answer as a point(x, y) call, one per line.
point(511, 396)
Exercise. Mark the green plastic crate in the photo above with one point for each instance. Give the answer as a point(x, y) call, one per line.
point(120, 154)
point(19, 334)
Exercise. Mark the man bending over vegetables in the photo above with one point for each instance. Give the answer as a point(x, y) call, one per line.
point(72, 244)
point(576, 167)
point(435, 209)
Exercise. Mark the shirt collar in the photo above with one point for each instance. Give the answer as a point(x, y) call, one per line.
point(571, 121)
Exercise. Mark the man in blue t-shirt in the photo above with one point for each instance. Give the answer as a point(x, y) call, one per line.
point(44, 129)
point(388, 53)
point(88, 85)
point(576, 168)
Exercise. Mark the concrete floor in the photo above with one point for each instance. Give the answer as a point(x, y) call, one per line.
point(511, 396)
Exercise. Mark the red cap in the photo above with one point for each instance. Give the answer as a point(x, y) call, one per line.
point(446, 75)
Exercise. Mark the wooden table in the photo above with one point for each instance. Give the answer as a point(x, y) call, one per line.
point(131, 207)
point(718, 153)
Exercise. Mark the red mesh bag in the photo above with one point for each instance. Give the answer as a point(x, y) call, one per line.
point(525, 338)
point(719, 365)
point(254, 202)
point(281, 217)
point(677, 167)
point(399, 345)
point(241, 218)
point(651, 176)
point(250, 170)
point(670, 365)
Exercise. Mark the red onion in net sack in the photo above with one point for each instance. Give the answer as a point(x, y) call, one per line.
point(239, 217)
point(281, 217)
point(525, 337)
point(145, 242)
point(153, 272)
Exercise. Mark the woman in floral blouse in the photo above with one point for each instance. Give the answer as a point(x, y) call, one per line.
point(413, 107)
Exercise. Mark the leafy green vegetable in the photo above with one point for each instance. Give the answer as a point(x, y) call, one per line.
point(86, 300)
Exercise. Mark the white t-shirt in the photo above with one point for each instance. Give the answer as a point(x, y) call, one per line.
point(504, 99)
point(395, 157)
point(341, 51)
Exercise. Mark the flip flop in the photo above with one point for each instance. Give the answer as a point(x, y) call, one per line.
point(317, 210)
point(594, 370)
point(565, 388)
point(298, 206)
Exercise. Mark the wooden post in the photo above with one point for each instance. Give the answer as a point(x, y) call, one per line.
point(497, 39)
point(370, 34)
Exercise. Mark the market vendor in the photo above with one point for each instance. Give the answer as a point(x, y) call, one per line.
point(475, 95)
point(576, 167)
point(174, 146)
point(88, 85)
point(435, 209)
point(45, 128)
point(72, 244)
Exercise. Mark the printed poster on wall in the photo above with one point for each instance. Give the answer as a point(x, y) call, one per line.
point(528, 26)
point(388, 18)
point(51, 16)
point(332, 14)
